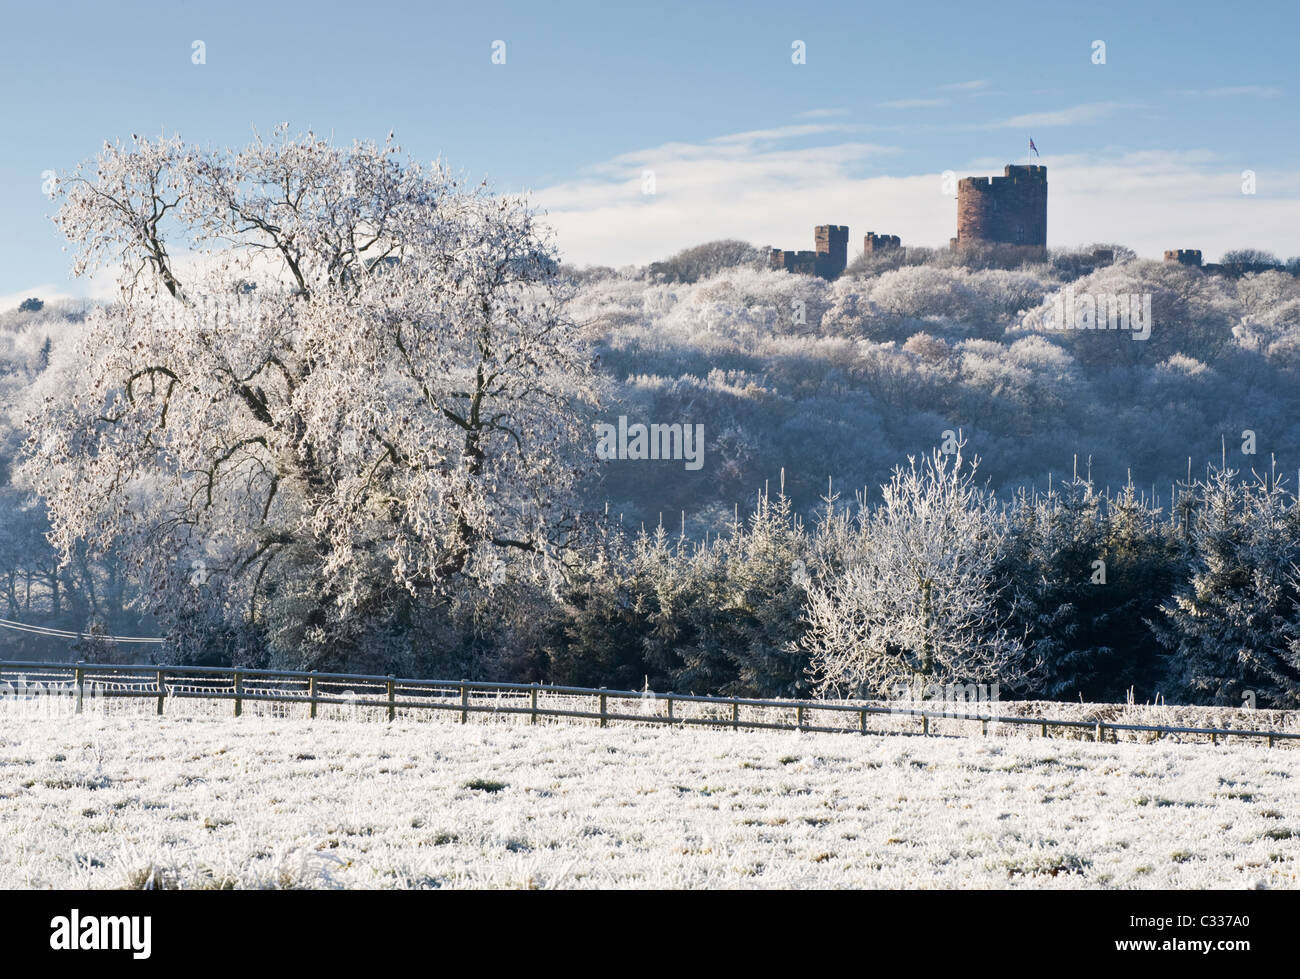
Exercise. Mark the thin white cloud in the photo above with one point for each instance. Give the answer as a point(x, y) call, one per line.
point(1152, 201)
point(970, 86)
point(913, 103)
point(757, 188)
point(779, 133)
point(1231, 91)
point(823, 113)
point(1074, 115)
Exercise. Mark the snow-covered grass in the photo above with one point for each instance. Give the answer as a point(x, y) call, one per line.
point(194, 801)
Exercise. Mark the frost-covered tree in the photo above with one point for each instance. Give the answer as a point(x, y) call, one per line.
point(335, 387)
point(730, 611)
point(1085, 575)
point(35, 586)
point(1240, 260)
point(1231, 628)
point(710, 258)
point(598, 627)
point(719, 616)
point(767, 580)
point(916, 601)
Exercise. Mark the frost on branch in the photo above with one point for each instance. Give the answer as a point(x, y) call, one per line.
point(343, 383)
point(911, 598)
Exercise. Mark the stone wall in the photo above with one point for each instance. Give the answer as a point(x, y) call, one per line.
point(880, 243)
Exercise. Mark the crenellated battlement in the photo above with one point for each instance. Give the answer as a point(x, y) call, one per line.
point(1184, 256)
point(830, 235)
point(1031, 173)
point(880, 243)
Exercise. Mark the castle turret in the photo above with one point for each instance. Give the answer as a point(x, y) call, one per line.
point(1008, 210)
point(880, 243)
point(832, 249)
point(1184, 256)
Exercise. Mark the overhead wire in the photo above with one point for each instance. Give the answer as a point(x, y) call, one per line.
point(37, 630)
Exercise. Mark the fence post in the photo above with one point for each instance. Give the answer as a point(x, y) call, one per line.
point(1044, 730)
point(1101, 730)
point(602, 707)
point(669, 698)
point(464, 702)
point(1214, 737)
point(798, 718)
point(239, 689)
point(162, 690)
point(925, 725)
point(311, 693)
point(862, 721)
point(392, 697)
point(735, 715)
point(532, 719)
point(79, 678)
point(984, 728)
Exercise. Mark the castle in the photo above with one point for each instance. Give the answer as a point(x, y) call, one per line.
point(1006, 210)
point(1009, 210)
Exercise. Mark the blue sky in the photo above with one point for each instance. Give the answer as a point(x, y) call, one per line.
point(1146, 149)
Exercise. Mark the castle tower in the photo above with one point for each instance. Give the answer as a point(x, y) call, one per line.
point(880, 243)
point(832, 250)
point(1008, 210)
point(1184, 256)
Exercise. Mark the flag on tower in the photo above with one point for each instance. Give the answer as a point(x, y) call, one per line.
point(1032, 146)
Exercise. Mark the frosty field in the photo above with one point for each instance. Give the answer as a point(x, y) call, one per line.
point(265, 802)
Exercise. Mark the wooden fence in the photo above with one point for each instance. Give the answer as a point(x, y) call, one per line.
point(391, 696)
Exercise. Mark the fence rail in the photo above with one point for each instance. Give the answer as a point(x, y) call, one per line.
point(390, 694)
